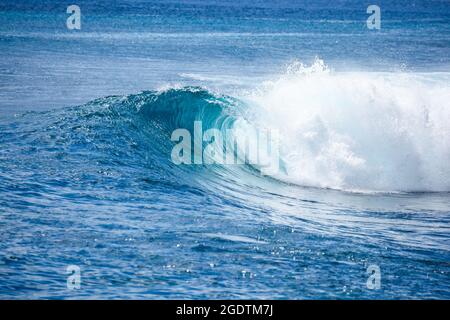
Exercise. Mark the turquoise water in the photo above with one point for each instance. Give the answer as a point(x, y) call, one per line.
point(87, 179)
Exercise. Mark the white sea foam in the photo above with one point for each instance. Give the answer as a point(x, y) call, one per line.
point(360, 130)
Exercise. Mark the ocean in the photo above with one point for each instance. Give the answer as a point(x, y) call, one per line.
point(93, 204)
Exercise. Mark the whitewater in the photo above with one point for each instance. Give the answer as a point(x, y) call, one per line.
point(359, 131)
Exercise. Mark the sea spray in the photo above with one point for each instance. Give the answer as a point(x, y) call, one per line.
point(359, 131)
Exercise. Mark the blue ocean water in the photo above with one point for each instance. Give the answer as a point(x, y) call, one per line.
point(87, 179)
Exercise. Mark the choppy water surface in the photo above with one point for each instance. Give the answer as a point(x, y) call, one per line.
point(86, 176)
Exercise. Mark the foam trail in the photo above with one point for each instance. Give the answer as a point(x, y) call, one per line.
point(359, 131)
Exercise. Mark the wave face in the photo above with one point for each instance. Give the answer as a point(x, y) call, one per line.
point(364, 132)
point(94, 185)
point(360, 131)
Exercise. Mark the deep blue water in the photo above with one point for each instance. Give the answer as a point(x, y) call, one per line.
point(87, 179)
